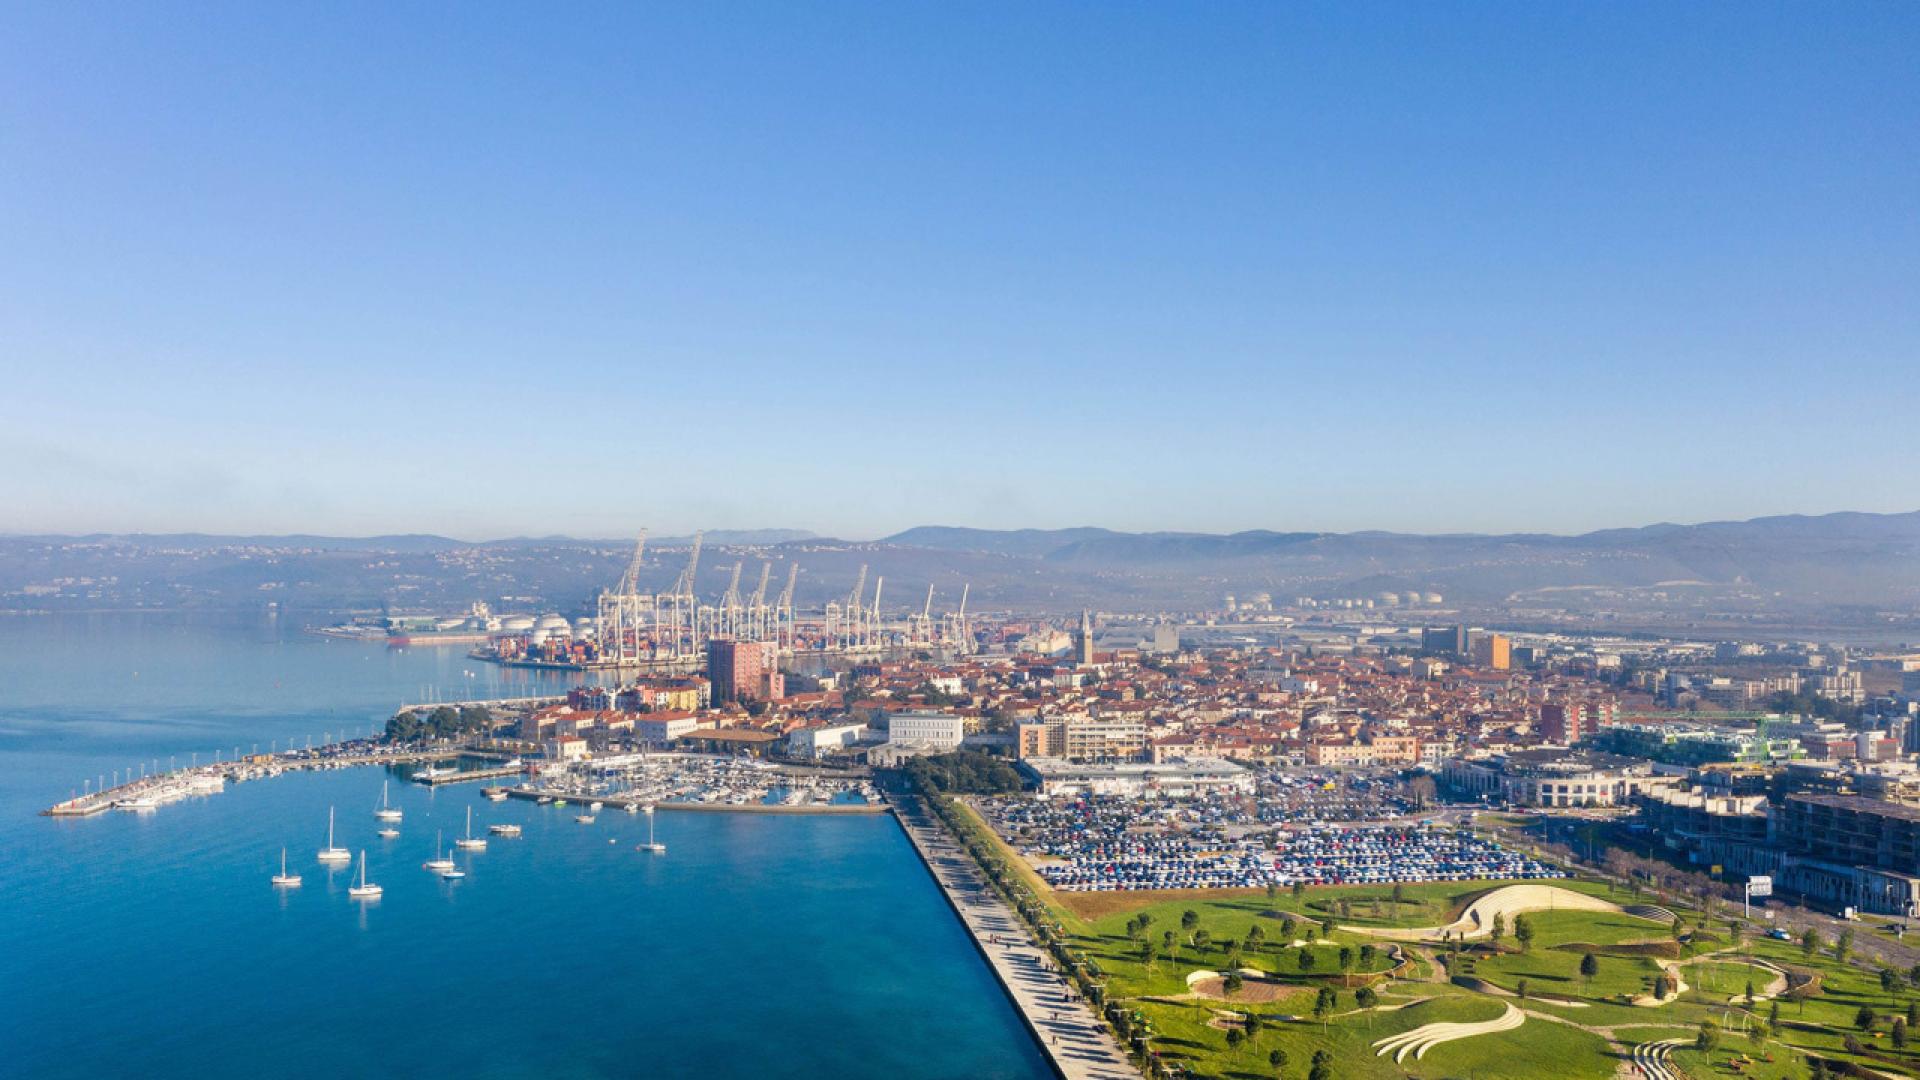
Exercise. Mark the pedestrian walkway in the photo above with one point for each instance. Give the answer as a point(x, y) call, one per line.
point(1074, 1040)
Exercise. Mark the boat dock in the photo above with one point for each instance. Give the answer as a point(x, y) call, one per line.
point(149, 792)
point(470, 776)
point(1075, 1042)
point(621, 802)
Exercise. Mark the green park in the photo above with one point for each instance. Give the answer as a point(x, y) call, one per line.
point(1575, 979)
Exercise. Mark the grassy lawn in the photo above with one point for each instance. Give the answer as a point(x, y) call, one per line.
point(1190, 1029)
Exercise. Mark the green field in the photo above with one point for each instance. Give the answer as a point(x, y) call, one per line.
point(1577, 1027)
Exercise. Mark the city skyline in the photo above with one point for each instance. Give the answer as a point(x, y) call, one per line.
point(273, 271)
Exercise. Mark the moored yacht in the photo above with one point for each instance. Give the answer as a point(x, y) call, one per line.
point(652, 846)
point(508, 831)
point(283, 879)
point(386, 812)
point(440, 861)
point(470, 842)
point(332, 853)
point(364, 891)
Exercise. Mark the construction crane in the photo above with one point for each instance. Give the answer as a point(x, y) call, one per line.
point(783, 611)
point(757, 621)
point(623, 613)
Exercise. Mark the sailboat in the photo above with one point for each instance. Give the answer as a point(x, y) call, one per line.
point(440, 862)
point(651, 845)
point(386, 812)
point(283, 879)
point(364, 891)
point(471, 842)
point(330, 853)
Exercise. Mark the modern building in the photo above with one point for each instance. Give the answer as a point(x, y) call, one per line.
point(1554, 777)
point(744, 671)
point(1850, 851)
point(1174, 779)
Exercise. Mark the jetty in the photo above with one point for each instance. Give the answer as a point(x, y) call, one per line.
point(1077, 1045)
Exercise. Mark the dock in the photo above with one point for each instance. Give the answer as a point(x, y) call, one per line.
point(470, 776)
point(212, 778)
point(621, 802)
point(1075, 1042)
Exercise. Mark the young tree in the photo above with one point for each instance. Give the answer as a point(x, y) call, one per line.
point(1232, 983)
point(1305, 959)
point(1287, 924)
point(1323, 1004)
point(1346, 959)
point(1843, 945)
point(1367, 953)
point(1234, 1038)
point(1773, 1014)
point(1399, 896)
point(1523, 932)
point(1366, 998)
point(1299, 890)
point(1889, 979)
point(1899, 1034)
point(1865, 1018)
point(1589, 967)
point(1146, 954)
point(1273, 895)
point(1189, 919)
point(1809, 943)
point(1707, 1038)
point(1252, 1022)
point(1322, 1067)
point(1520, 989)
point(1499, 928)
point(1749, 993)
point(1167, 943)
point(1278, 1060)
point(1202, 939)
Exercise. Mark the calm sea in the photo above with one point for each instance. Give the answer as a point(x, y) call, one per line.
point(760, 946)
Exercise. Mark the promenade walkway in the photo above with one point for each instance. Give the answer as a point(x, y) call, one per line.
point(1074, 1040)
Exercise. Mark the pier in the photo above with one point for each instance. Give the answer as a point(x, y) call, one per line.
point(149, 792)
point(1076, 1043)
point(621, 802)
point(470, 776)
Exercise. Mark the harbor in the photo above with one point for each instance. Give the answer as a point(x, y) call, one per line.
point(703, 782)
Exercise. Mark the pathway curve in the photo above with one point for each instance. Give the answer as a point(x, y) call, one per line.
point(1075, 1042)
point(1510, 900)
point(1655, 1058)
point(1426, 1037)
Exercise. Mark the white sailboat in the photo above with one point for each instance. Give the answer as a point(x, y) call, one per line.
point(364, 891)
point(331, 853)
point(386, 812)
point(283, 879)
point(440, 862)
point(471, 842)
point(651, 846)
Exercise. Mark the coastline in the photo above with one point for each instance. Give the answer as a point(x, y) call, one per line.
point(1075, 1043)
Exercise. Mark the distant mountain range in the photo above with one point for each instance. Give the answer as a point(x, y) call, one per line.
point(1866, 567)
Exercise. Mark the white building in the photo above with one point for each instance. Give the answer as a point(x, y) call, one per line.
point(826, 739)
point(937, 730)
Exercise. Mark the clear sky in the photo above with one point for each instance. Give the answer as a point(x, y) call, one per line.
point(488, 270)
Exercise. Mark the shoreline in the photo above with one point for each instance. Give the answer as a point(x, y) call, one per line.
point(1074, 1042)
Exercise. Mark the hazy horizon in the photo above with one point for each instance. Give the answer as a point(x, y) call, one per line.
point(1508, 268)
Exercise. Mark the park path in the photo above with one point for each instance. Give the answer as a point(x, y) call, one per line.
point(1076, 1043)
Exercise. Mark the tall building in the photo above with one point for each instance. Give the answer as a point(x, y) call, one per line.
point(1451, 640)
point(1083, 646)
point(1493, 651)
point(744, 671)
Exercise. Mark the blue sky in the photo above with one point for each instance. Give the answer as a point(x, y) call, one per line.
point(494, 270)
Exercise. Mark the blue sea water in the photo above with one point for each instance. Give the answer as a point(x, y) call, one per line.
point(153, 945)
